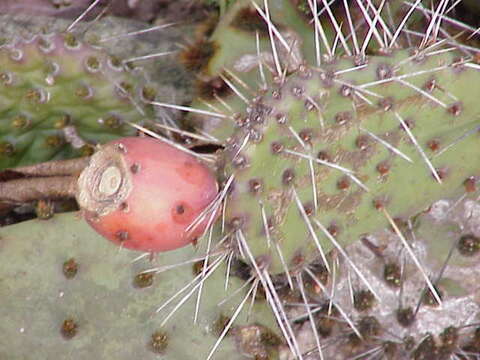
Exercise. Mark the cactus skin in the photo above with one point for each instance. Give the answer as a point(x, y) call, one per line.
point(95, 302)
point(286, 120)
point(53, 85)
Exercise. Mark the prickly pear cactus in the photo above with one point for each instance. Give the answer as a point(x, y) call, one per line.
point(74, 295)
point(55, 85)
point(315, 160)
point(335, 152)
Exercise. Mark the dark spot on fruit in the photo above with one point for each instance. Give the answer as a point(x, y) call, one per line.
point(180, 209)
point(134, 168)
point(69, 329)
point(468, 245)
point(343, 183)
point(470, 184)
point(288, 176)
point(143, 280)
point(122, 235)
point(362, 142)
point(182, 213)
point(392, 274)
point(158, 342)
point(70, 268)
point(124, 206)
point(405, 316)
point(363, 300)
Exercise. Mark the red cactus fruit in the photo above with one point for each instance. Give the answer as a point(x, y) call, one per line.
point(144, 194)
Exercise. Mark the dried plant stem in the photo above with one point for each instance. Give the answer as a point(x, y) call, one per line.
point(71, 167)
point(25, 190)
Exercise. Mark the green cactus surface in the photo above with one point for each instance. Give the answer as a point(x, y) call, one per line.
point(59, 94)
point(336, 151)
point(74, 295)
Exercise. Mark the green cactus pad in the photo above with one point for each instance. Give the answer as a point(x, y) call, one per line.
point(68, 293)
point(394, 124)
point(58, 94)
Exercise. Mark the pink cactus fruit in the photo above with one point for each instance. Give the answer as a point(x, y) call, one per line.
point(146, 195)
